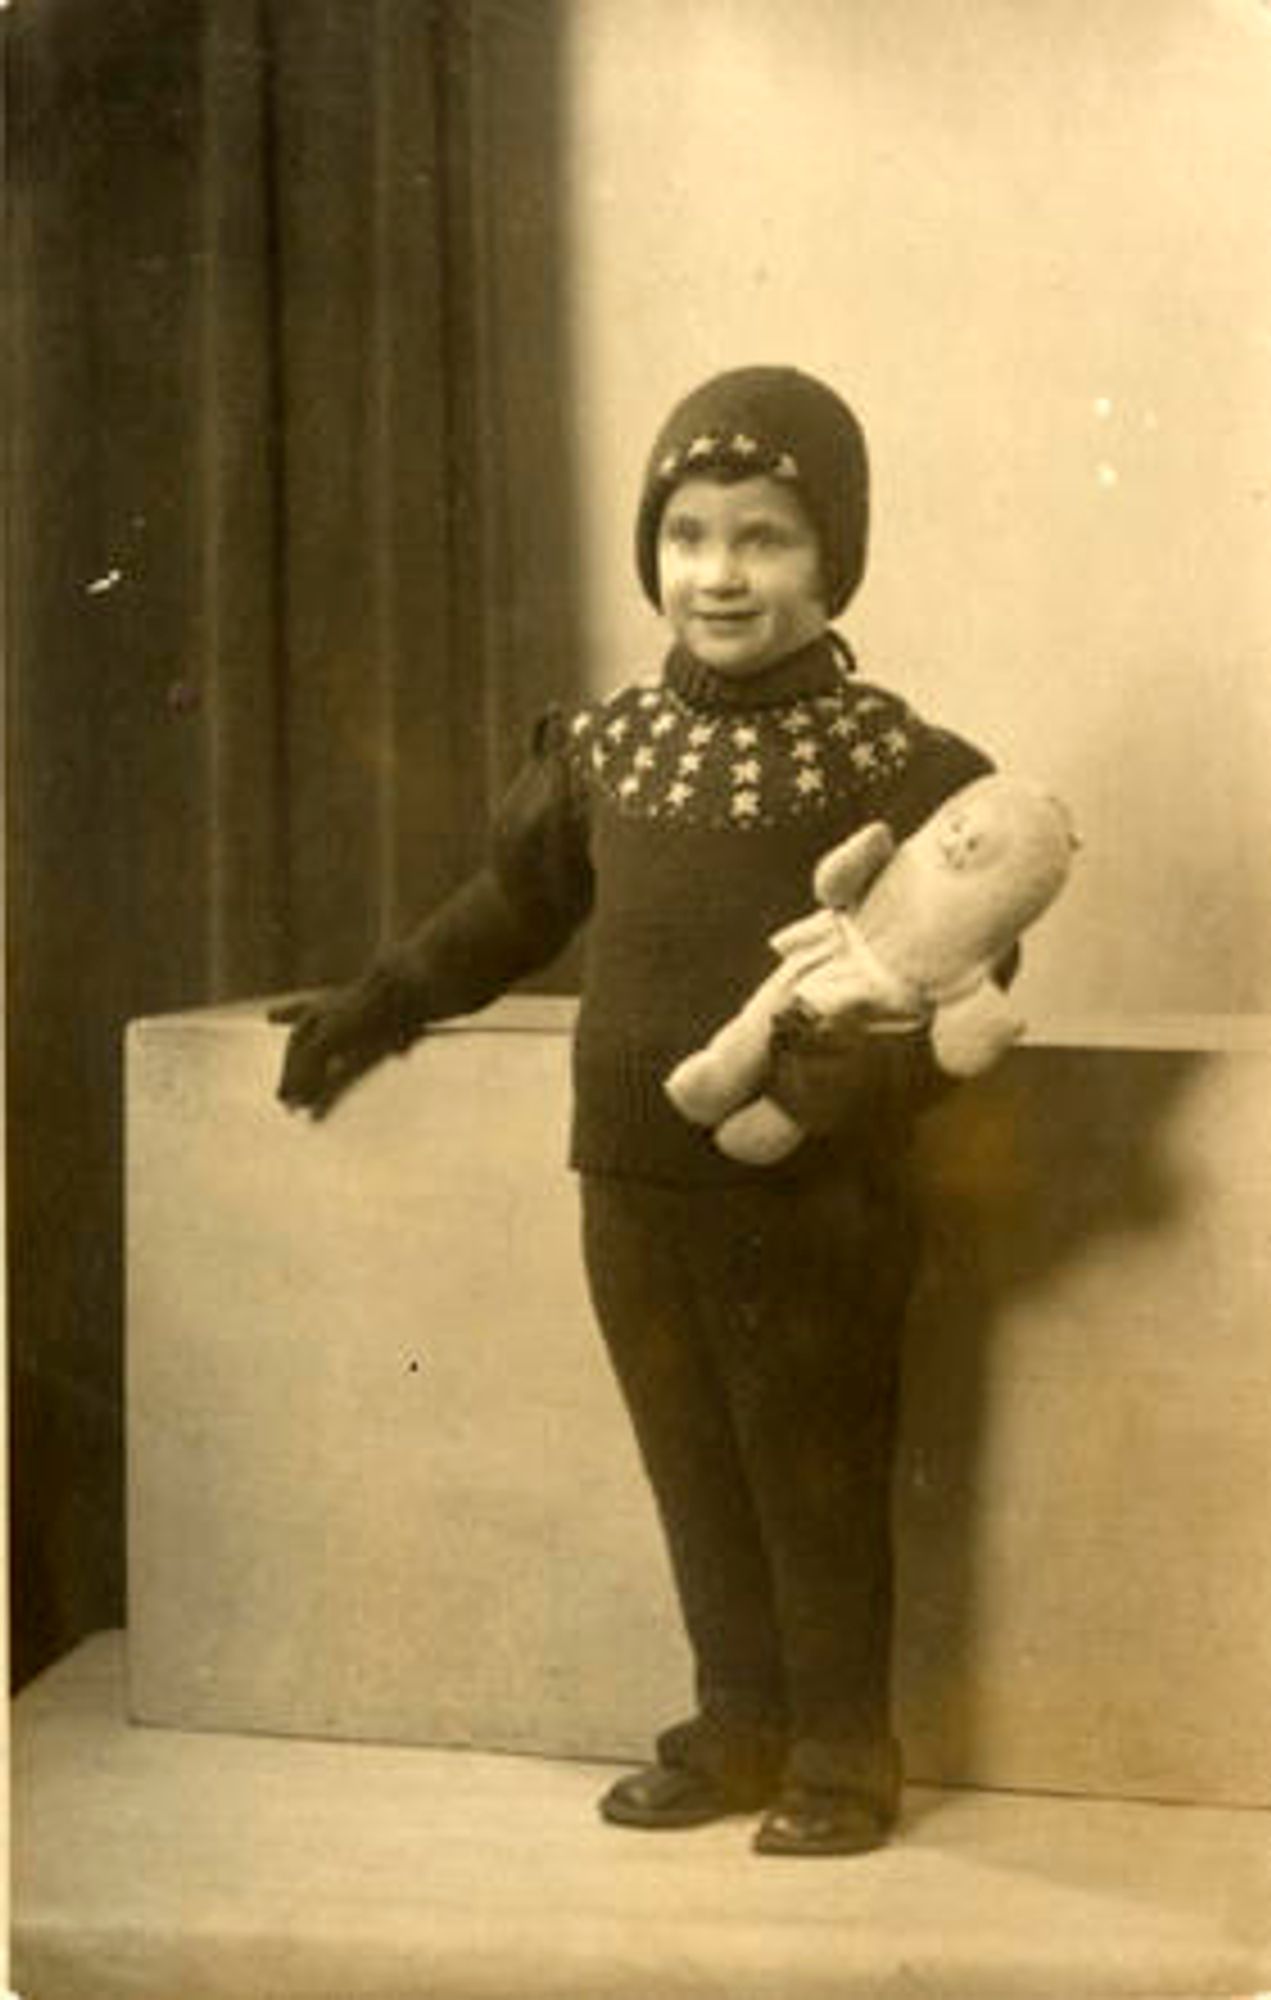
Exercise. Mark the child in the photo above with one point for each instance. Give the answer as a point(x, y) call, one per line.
point(752, 1314)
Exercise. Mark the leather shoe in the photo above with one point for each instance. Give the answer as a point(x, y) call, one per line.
point(662, 1795)
point(805, 1820)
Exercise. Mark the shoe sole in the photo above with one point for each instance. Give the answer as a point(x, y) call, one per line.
point(867, 1841)
point(670, 1822)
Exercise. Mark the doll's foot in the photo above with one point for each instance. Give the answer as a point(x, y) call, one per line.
point(759, 1134)
point(810, 1820)
point(699, 1090)
point(660, 1796)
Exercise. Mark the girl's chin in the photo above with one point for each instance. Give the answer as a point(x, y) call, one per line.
point(740, 652)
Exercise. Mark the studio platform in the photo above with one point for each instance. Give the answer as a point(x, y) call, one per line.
point(158, 1864)
point(381, 1487)
point(397, 1599)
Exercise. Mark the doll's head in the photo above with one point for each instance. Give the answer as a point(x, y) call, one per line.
point(962, 888)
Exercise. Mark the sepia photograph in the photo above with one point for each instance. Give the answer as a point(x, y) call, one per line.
point(638, 999)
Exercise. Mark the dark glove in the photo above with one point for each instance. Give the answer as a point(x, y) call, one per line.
point(832, 1075)
point(337, 1036)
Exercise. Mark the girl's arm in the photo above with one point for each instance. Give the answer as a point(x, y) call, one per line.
point(510, 918)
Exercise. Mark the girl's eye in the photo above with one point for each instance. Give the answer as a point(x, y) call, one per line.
point(682, 532)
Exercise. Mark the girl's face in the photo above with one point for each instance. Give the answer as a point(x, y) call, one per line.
point(739, 572)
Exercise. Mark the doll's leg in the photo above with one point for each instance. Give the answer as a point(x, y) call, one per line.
point(644, 1245)
point(716, 1079)
point(761, 1133)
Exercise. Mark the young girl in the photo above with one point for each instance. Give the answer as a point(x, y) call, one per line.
point(752, 1314)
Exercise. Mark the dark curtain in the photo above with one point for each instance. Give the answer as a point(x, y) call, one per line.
point(290, 574)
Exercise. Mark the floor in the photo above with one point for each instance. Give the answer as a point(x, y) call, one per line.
point(161, 1865)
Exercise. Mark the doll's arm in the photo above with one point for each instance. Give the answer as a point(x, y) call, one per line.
point(845, 873)
point(842, 877)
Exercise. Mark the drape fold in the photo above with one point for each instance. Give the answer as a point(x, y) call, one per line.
point(279, 615)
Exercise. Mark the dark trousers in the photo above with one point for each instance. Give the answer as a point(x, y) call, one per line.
point(755, 1331)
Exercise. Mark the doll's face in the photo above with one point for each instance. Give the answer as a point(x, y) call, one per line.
point(739, 572)
point(972, 832)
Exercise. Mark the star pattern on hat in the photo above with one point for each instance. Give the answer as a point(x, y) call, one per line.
point(734, 450)
point(654, 756)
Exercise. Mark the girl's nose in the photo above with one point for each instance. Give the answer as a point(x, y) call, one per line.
point(719, 566)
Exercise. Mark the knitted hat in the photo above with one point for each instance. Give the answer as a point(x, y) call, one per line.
point(773, 421)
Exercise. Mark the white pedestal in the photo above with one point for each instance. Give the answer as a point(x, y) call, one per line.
point(381, 1486)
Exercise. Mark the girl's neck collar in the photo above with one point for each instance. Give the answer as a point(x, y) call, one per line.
point(815, 669)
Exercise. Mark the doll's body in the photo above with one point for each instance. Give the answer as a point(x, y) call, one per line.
point(904, 936)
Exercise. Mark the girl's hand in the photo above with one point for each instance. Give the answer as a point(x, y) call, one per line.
point(335, 1038)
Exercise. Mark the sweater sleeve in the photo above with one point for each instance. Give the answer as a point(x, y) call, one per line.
point(517, 912)
point(941, 764)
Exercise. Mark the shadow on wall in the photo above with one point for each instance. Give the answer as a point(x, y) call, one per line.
point(1044, 1186)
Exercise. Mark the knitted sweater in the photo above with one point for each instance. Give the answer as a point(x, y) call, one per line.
point(684, 819)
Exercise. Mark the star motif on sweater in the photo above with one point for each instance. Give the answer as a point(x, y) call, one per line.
point(657, 755)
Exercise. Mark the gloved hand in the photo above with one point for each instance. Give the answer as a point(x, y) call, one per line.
point(337, 1036)
point(826, 1074)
